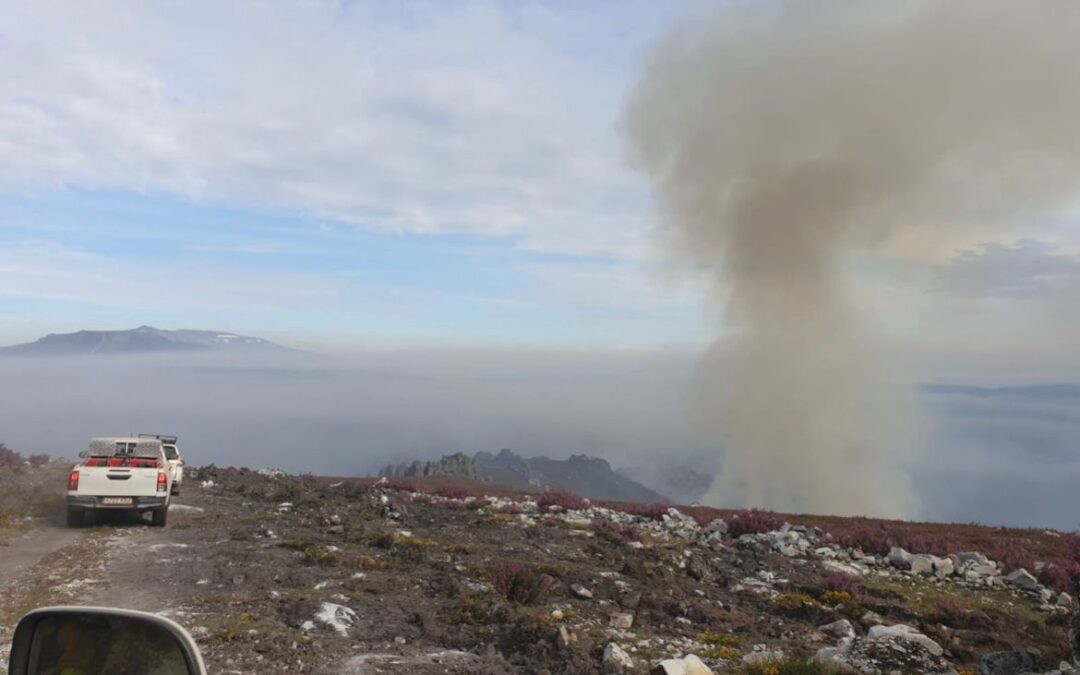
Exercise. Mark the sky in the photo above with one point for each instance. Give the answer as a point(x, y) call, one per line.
point(334, 173)
point(341, 175)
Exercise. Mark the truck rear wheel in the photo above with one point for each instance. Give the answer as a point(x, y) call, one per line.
point(75, 517)
point(159, 516)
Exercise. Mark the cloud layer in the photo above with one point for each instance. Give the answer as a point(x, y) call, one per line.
point(473, 117)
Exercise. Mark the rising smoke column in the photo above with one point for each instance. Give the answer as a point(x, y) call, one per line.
point(784, 138)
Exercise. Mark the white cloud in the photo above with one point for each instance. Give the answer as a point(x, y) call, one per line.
point(42, 270)
point(457, 118)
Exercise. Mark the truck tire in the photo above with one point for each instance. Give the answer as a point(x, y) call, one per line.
point(75, 517)
point(159, 516)
point(175, 491)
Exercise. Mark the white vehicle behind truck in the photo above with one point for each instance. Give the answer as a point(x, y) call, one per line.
point(120, 474)
point(175, 459)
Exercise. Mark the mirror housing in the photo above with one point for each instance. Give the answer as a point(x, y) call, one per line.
point(86, 637)
point(82, 454)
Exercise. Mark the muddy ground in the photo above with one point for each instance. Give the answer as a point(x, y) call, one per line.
point(279, 574)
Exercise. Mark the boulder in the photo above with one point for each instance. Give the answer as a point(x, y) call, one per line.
point(982, 570)
point(899, 649)
point(669, 667)
point(843, 568)
point(1022, 579)
point(972, 557)
point(943, 567)
point(921, 564)
point(899, 558)
point(838, 629)
point(695, 666)
point(1006, 663)
point(904, 633)
point(717, 526)
point(616, 660)
point(1064, 600)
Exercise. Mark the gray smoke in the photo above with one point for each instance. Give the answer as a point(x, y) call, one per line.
point(784, 137)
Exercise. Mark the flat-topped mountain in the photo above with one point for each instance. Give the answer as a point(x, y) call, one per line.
point(141, 340)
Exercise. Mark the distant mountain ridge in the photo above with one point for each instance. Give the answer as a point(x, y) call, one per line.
point(141, 340)
point(590, 477)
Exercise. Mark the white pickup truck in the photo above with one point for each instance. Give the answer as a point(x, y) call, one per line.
point(172, 454)
point(120, 474)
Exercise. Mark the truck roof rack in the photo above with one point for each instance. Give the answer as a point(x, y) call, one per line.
point(169, 440)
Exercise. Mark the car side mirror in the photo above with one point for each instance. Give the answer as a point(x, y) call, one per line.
point(85, 640)
point(82, 454)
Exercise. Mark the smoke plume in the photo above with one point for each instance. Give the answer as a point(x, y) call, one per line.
point(786, 137)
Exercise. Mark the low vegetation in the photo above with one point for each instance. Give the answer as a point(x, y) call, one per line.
point(518, 583)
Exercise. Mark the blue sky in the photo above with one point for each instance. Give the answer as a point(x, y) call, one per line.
point(116, 259)
point(331, 173)
point(345, 174)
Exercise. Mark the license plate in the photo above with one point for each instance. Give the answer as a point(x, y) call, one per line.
point(116, 501)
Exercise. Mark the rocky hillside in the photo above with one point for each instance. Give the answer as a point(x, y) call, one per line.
point(587, 476)
point(281, 574)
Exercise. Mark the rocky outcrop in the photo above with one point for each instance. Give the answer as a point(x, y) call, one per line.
point(590, 477)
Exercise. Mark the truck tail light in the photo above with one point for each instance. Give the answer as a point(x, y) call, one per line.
point(162, 482)
point(73, 481)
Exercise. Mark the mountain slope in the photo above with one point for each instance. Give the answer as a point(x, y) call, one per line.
point(141, 340)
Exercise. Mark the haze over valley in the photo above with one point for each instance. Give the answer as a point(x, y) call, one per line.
point(335, 415)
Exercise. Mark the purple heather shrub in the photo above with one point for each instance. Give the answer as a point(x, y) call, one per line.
point(563, 499)
point(753, 521)
point(520, 583)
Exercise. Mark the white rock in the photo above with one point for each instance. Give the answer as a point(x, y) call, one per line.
point(899, 558)
point(1064, 600)
point(838, 629)
point(717, 526)
point(972, 557)
point(943, 567)
point(581, 591)
point(1021, 578)
point(338, 617)
point(669, 667)
point(695, 666)
point(905, 633)
point(981, 570)
point(842, 568)
point(921, 564)
point(616, 660)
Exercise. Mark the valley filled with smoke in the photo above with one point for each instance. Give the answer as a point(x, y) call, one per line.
point(1001, 456)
